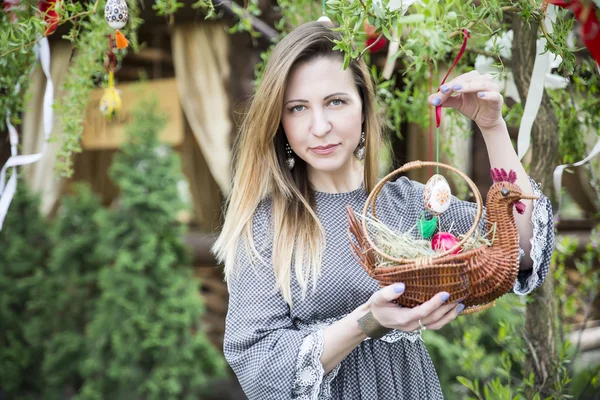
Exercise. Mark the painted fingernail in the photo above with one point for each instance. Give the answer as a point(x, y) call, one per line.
point(399, 287)
point(445, 296)
point(445, 88)
point(460, 308)
point(481, 94)
point(436, 101)
point(457, 86)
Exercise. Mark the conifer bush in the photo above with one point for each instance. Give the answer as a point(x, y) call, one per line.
point(24, 245)
point(68, 291)
point(145, 339)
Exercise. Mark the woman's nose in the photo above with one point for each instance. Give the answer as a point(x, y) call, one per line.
point(320, 123)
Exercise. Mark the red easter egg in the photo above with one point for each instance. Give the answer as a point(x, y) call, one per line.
point(444, 241)
point(378, 46)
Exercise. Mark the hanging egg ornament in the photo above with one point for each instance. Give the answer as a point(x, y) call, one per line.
point(116, 15)
point(110, 103)
point(437, 195)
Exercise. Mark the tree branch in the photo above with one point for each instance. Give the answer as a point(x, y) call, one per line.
point(371, 45)
point(60, 22)
point(257, 24)
point(540, 316)
point(489, 54)
point(370, 14)
point(473, 23)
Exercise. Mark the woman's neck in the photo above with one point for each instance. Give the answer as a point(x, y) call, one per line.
point(341, 181)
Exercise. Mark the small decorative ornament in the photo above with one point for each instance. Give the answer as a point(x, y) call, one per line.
point(110, 103)
point(427, 226)
point(116, 15)
point(437, 195)
point(324, 18)
point(359, 152)
point(290, 161)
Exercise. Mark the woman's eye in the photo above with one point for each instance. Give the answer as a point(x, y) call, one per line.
point(297, 108)
point(337, 102)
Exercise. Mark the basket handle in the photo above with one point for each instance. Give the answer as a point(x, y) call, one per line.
point(407, 167)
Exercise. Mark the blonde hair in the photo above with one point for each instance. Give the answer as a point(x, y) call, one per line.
point(260, 171)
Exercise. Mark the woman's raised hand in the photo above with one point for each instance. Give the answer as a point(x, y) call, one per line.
point(433, 314)
point(475, 96)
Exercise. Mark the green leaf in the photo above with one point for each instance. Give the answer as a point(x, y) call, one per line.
point(411, 19)
point(467, 383)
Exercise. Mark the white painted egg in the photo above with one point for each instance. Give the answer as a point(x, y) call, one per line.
point(437, 195)
point(116, 13)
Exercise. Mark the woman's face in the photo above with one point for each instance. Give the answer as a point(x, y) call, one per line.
point(322, 115)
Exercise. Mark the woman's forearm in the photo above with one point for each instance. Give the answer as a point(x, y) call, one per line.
point(340, 338)
point(502, 155)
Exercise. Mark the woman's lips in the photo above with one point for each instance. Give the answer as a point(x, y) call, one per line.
point(322, 150)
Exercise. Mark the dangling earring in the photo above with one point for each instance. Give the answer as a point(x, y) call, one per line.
point(290, 161)
point(359, 152)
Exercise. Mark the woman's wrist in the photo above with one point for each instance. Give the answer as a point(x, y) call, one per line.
point(497, 130)
point(369, 325)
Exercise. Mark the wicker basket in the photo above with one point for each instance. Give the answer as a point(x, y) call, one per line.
point(475, 277)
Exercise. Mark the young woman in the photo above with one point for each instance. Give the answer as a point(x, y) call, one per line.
point(305, 321)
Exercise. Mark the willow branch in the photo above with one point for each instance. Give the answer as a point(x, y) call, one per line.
point(82, 14)
point(473, 23)
point(369, 13)
point(545, 32)
point(22, 47)
point(61, 22)
point(257, 24)
point(488, 54)
point(371, 45)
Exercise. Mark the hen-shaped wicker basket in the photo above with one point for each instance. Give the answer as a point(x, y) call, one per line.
point(474, 277)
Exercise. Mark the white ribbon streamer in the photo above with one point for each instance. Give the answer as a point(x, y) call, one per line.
point(536, 87)
point(558, 172)
point(7, 190)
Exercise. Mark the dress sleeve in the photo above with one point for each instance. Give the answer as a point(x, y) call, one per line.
point(459, 218)
point(270, 356)
point(542, 244)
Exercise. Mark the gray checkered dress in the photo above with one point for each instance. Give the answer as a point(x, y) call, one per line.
point(274, 349)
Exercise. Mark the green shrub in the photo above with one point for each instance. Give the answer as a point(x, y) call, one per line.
point(24, 246)
point(145, 339)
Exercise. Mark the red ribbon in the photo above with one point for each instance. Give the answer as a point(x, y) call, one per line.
point(438, 109)
point(589, 25)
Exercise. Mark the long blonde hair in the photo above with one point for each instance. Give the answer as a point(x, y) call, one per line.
point(260, 171)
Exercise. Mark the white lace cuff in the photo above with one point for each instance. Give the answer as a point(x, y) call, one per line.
point(542, 244)
point(309, 383)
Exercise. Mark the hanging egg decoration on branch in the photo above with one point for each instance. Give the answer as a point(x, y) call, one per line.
point(436, 200)
point(110, 103)
point(116, 15)
point(437, 195)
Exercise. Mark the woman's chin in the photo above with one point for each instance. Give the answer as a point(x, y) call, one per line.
point(327, 166)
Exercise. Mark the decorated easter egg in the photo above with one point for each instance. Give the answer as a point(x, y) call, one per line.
point(116, 13)
point(110, 103)
point(444, 241)
point(437, 195)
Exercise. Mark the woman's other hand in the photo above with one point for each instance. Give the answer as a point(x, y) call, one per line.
point(434, 314)
point(475, 96)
